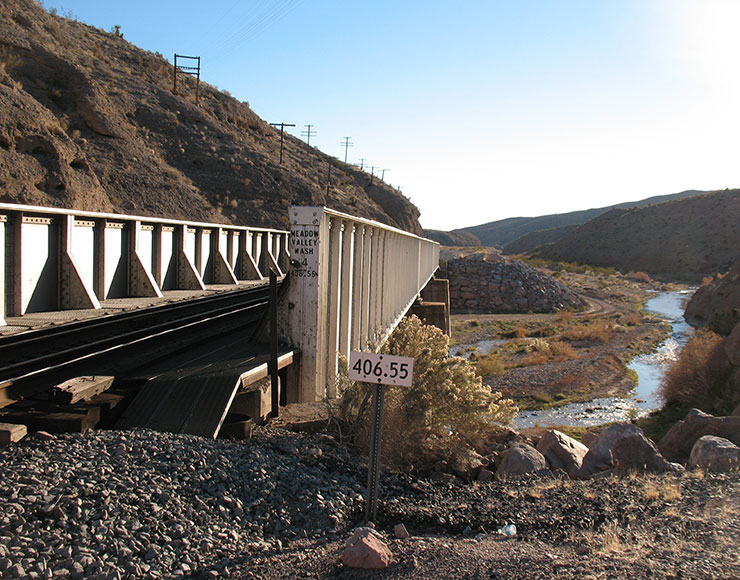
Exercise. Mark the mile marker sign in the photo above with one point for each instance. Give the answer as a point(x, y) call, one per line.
point(379, 370)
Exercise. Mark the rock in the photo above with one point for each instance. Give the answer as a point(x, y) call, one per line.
point(485, 476)
point(368, 551)
point(736, 412)
point(676, 445)
point(562, 452)
point(400, 531)
point(732, 346)
point(599, 456)
point(636, 453)
point(521, 459)
point(715, 454)
point(717, 305)
point(466, 463)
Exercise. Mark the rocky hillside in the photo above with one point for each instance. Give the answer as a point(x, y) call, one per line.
point(685, 239)
point(89, 121)
point(502, 232)
point(717, 305)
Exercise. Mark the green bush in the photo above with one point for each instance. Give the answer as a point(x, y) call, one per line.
point(445, 409)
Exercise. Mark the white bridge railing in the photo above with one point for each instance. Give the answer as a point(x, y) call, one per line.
point(58, 259)
point(351, 282)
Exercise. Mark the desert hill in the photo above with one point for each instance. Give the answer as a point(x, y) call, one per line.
point(685, 239)
point(502, 232)
point(89, 121)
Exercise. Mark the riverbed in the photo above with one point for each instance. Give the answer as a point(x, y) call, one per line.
point(649, 369)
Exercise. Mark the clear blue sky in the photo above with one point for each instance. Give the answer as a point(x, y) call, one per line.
point(480, 109)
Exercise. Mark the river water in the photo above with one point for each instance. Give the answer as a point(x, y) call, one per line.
point(649, 368)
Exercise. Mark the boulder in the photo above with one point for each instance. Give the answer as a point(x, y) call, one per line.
point(400, 531)
point(562, 452)
point(521, 459)
point(636, 453)
point(466, 463)
point(715, 454)
point(366, 550)
point(676, 445)
point(732, 346)
point(599, 456)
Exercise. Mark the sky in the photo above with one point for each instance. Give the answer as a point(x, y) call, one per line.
point(479, 110)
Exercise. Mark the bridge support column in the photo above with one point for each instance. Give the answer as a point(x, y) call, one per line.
point(222, 272)
point(74, 293)
point(246, 266)
point(188, 277)
point(141, 281)
point(306, 300)
point(3, 220)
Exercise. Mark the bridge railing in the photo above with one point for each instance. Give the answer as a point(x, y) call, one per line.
point(58, 259)
point(351, 282)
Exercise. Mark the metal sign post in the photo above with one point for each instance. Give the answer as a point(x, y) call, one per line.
point(380, 370)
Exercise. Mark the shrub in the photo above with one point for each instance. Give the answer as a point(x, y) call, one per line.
point(447, 407)
point(594, 332)
point(640, 277)
point(489, 365)
point(700, 377)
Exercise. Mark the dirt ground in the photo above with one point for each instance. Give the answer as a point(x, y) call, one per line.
point(637, 526)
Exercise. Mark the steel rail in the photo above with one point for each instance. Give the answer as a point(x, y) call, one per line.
point(17, 349)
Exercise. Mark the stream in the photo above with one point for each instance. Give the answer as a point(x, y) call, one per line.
point(649, 368)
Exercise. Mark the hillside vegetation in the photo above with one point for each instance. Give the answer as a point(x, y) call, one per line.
point(89, 121)
point(685, 239)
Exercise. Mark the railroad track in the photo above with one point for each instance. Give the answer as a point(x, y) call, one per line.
point(32, 362)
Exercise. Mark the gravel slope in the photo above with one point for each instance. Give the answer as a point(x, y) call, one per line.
point(151, 505)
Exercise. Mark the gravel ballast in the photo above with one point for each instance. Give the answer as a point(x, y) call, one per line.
point(143, 504)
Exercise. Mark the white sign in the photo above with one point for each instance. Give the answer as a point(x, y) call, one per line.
point(381, 369)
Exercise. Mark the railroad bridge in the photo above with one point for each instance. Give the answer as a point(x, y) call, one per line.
point(99, 306)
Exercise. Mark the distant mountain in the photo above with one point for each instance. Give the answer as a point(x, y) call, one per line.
point(535, 239)
point(684, 239)
point(501, 232)
point(453, 238)
point(90, 121)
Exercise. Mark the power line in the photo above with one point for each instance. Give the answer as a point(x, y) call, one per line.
point(347, 144)
point(308, 133)
point(282, 128)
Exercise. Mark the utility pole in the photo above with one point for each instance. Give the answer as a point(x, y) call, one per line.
point(282, 128)
point(372, 174)
point(362, 163)
point(347, 144)
point(382, 177)
point(193, 71)
point(308, 133)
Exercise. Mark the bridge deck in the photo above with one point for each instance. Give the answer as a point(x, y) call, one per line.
point(34, 320)
point(196, 396)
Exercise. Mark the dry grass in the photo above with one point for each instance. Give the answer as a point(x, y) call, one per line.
point(598, 331)
point(490, 365)
point(700, 376)
point(665, 490)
